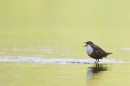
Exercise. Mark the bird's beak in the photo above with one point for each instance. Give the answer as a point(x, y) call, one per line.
point(84, 45)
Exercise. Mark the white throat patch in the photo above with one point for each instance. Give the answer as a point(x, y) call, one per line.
point(89, 49)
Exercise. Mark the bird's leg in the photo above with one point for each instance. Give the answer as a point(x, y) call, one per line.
point(96, 61)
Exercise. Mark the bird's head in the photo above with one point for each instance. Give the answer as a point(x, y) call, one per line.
point(88, 42)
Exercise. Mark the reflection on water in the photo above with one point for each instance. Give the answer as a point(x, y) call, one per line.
point(94, 71)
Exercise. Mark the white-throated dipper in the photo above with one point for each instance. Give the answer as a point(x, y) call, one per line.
point(95, 51)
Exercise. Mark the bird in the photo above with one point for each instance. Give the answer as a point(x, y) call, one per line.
point(95, 51)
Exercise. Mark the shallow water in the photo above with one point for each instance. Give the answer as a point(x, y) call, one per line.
point(41, 42)
point(34, 74)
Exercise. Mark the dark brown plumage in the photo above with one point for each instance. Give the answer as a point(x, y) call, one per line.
point(95, 51)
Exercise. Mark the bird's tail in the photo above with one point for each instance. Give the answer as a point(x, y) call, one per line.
point(107, 53)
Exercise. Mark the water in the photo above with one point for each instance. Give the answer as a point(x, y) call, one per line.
point(32, 67)
point(33, 72)
point(41, 42)
point(108, 74)
point(90, 75)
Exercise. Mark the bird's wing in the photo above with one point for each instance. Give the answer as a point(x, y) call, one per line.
point(98, 51)
point(95, 47)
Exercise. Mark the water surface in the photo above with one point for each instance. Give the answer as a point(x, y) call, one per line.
point(33, 74)
point(41, 42)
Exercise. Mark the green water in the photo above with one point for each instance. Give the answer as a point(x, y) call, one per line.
point(57, 29)
point(63, 24)
point(32, 74)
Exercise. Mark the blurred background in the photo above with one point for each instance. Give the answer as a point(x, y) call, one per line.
point(59, 28)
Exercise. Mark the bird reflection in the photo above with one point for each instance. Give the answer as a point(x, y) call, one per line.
point(91, 71)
